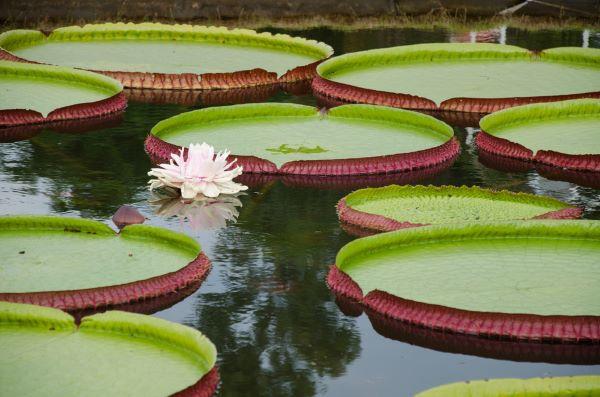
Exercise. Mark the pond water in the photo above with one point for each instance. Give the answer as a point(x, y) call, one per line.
point(265, 304)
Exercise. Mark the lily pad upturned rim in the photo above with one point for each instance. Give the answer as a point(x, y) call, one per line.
point(344, 182)
point(114, 295)
point(204, 98)
point(160, 150)
point(129, 325)
point(157, 31)
point(473, 345)
point(455, 119)
point(489, 138)
point(498, 349)
point(581, 385)
point(324, 87)
point(373, 223)
point(75, 126)
point(115, 99)
point(517, 326)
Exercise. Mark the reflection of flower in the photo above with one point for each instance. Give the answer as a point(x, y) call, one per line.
point(201, 173)
point(484, 36)
point(205, 213)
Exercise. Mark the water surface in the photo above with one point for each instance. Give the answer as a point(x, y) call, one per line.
point(265, 304)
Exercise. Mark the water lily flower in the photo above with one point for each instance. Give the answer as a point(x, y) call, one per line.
point(200, 174)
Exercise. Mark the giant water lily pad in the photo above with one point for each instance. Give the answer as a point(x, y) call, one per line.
point(296, 139)
point(466, 77)
point(154, 55)
point(76, 264)
point(564, 134)
point(44, 353)
point(560, 386)
point(495, 279)
point(31, 94)
point(396, 207)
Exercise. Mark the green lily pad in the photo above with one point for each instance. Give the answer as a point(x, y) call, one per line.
point(440, 72)
point(393, 207)
point(44, 353)
point(44, 88)
point(167, 49)
point(484, 268)
point(76, 263)
point(561, 386)
point(570, 127)
point(284, 133)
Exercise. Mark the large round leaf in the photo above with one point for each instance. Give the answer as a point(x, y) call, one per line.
point(75, 264)
point(465, 77)
point(297, 139)
point(489, 279)
point(44, 353)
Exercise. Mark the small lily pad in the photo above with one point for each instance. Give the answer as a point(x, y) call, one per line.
point(395, 207)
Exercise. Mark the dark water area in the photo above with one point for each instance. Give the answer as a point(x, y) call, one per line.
point(265, 304)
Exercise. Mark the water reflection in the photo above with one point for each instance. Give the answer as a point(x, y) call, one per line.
point(277, 330)
point(574, 187)
point(201, 213)
point(497, 35)
point(92, 173)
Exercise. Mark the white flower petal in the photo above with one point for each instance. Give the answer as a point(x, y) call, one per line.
point(197, 172)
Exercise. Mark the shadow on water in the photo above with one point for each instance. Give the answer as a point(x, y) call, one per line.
point(265, 304)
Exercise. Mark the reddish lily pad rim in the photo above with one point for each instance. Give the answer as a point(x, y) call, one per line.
point(160, 150)
point(204, 98)
point(507, 164)
point(157, 31)
point(522, 326)
point(115, 99)
point(100, 297)
point(490, 140)
point(344, 182)
point(373, 223)
point(521, 351)
point(76, 126)
point(324, 87)
point(188, 340)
